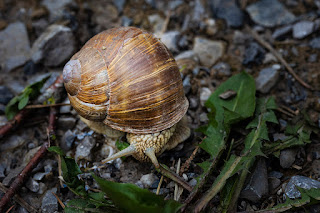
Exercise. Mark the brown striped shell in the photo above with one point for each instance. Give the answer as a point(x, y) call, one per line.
point(128, 79)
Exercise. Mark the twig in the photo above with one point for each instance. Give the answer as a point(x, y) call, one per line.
point(166, 22)
point(176, 187)
point(19, 200)
point(173, 176)
point(257, 37)
point(10, 209)
point(13, 123)
point(58, 199)
point(186, 164)
point(285, 112)
point(159, 185)
point(23, 176)
point(37, 106)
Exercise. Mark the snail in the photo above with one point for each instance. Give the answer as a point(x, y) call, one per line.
point(126, 80)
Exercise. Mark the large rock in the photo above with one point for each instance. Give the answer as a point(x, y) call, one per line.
point(14, 46)
point(208, 51)
point(54, 46)
point(270, 13)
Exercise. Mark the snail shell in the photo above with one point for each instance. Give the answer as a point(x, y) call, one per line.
point(126, 78)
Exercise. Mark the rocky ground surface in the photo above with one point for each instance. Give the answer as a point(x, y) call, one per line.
point(211, 41)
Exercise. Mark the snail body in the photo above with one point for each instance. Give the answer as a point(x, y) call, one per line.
point(126, 79)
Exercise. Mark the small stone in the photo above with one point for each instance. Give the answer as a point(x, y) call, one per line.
point(65, 109)
point(83, 150)
point(39, 25)
point(281, 33)
point(208, 51)
point(49, 202)
point(276, 174)
point(39, 176)
point(316, 167)
point(254, 54)
point(315, 43)
point(11, 175)
point(14, 46)
point(119, 4)
point(268, 58)
point(270, 13)
point(229, 11)
point(54, 46)
point(192, 182)
point(67, 140)
point(173, 4)
point(274, 183)
point(42, 188)
point(222, 70)
point(203, 117)
point(287, 157)
point(257, 186)
point(126, 21)
point(56, 7)
point(148, 179)
point(267, 78)
point(5, 95)
point(170, 39)
point(313, 58)
point(157, 22)
point(302, 29)
point(2, 169)
point(279, 136)
point(139, 184)
point(193, 102)
point(12, 142)
point(32, 185)
point(66, 122)
point(186, 84)
point(302, 182)
point(205, 93)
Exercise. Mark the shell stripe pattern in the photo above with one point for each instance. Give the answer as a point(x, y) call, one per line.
point(131, 76)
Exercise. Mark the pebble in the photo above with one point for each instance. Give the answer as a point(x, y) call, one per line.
point(12, 142)
point(12, 174)
point(157, 22)
point(189, 54)
point(66, 123)
point(302, 29)
point(302, 182)
point(2, 169)
point(315, 43)
point(49, 202)
point(270, 13)
point(287, 157)
point(126, 21)
point(205, 93)
point(170, 39)
point(39, 26)
point(274, 183)
point(39, 175)
point(276, 174)
point(65, 109)
point(186, 84)
point(316, 167)
point(208, 51)
point(203, 117)
point(281, 32)
point(257, 186)
point(148, 179)
point(14, 46)
point(193, 102)
point(268, 58)
point(254, 54)
point(229, 11)
point(222, 69)
point(32, 185)
point(119, 4)
point(193, 182)
point(313, 58)
point(5, 95)
point(67, 140)
point(83, 150)
point(54, 46)
point(266, 79)
point(56, 8)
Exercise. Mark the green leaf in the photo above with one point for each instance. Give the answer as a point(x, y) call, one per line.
point(121, 145)
point(19, 102)
point(56, 150)
point(131, 198)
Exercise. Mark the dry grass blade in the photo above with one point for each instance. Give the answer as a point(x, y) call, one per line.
point(159, 185)
point(58, 199)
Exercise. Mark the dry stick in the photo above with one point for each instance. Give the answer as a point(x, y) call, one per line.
point(278, 56)
point(13, 123)
point(19, 200)
point(58, 199)
point(23, 176)
point(10, 209)
point(186, 164)
point(173, 176)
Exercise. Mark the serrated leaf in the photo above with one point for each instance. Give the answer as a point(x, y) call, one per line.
point(131, 198)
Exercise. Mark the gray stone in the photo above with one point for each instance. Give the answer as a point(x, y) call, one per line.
point(192, 182)
point(42, 188)
point(83, 150)
point(302, 29)
point(266, 79)
point(199, 12)
point(203, 117)
point(67, 140)
point(257, 186)
point(193, 102)
point(302, 182)
point(189, 54)
point(5, 95)
point(270, 13)
point(39, 175)
point(11, 175)
point(157, 22)
point(12, 142)
point(186, 84)
point(287, 157)
point(39, 26)
point(254, 54)
point(56, 8)
point(126, 21)
point(49, 202)
point(274, 183)
point(313, 58)
point(32, 185)
point(119, 4)
point(205, 93)
point(170, 39)
point(229, 11)
point(275, 174)
point(315, 43)
point(173, 4)
point(280, 33)
point(66, 122)
point(14, 46)
point(208, 51)
point(148, 179)
point(55, 45)
point(316, 167)
point(222, 69)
